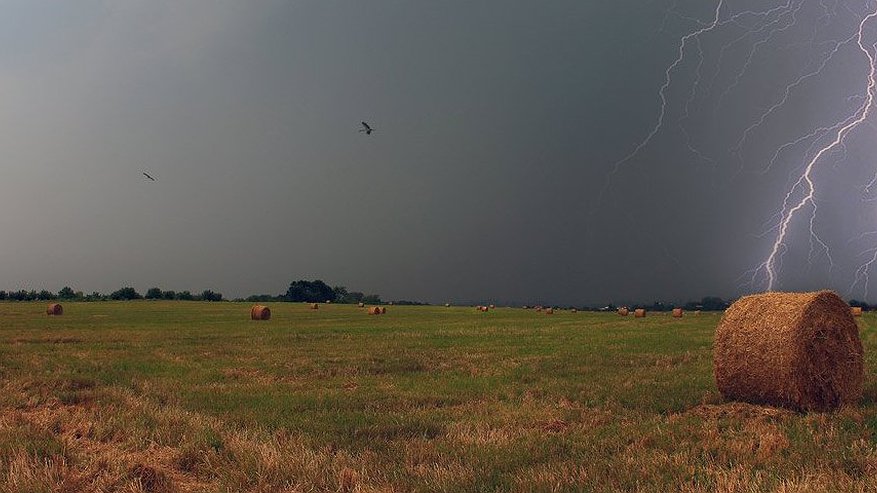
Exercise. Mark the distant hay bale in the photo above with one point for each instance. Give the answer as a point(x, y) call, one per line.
point(54, 309)
point(447, 305)
point(383, 310)
point(623, 311)
point(538, 308)
point(483, 308)
point(639, 313)
point(549, 311)
point(361, 305)
point(374, 310)
point(574, 310)
point(315, 306)
point(260, 312)
point(795, 350)
point(677, 313)
point(492, 307)
point(856, 311)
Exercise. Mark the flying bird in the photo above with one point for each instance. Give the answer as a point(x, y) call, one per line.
point(367, 129)
point(147, 175)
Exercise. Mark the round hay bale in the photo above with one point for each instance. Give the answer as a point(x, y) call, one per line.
point(639, 313)
point(383, 310)
point(315, 306)
point(260, 312)
point(677, 313)
point(54, 309)
point(374, 310)
point(795, 350)
point(483, 308)
point(549, 311)
point(361, 305)
point(623, 311)
point(492, 307)
point(574, 310)
point(447, 305)
point(538, 308)
point(856, 311)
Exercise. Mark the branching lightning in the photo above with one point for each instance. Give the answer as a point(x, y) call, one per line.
point(743, 37)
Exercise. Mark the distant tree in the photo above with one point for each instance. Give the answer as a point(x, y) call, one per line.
point(340, 294)
point(208, 295)
point(372, 299)
point(169, 295)
point(185, 296)
point(94, 296)
point(66, 293)
point(126, 293)
point(310, 291)
point(2, 295)
point(256, 298)
point(44, 295)
point(153, 294)
point(864, 306)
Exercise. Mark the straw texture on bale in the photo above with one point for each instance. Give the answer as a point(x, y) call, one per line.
point(374, 310)
point(796, 350)
point(623, 312)
point(639, 313)
point(260, 312)
point(677, 312)
point(55, 309)
point(856, 311)
point(314, 306)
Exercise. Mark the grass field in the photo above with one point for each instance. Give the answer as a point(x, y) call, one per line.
point(180, 396)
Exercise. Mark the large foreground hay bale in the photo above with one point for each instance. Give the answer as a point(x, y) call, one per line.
point(856, 311)
point(260, 312)
point(677, 312)
point(623, 311)
point(795, 350)
point(639, 313)
point(55, 309)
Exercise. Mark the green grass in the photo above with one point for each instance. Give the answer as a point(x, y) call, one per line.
point(179, 396)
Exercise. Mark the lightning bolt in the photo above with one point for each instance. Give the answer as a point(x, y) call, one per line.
point(818, 144)
point(662, 93)
point(791, 206)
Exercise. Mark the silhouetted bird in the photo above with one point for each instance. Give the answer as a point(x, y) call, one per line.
point(368, 130)
point(147, 175)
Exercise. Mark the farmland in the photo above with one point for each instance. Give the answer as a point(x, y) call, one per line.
point(185, 396)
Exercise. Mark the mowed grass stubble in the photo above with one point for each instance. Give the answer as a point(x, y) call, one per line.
point(184, 396)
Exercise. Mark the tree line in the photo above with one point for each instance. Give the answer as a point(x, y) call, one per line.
point(302, 290)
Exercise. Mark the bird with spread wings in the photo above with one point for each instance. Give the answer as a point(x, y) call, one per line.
point(366, 128)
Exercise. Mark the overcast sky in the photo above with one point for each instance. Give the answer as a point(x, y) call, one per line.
point(490, 173)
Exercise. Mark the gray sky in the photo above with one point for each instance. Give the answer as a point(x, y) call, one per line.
point(489, 175)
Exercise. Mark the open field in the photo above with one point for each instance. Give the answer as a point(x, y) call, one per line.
point(177, 396)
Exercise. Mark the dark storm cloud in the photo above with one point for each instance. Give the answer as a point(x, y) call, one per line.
point(497, 124)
